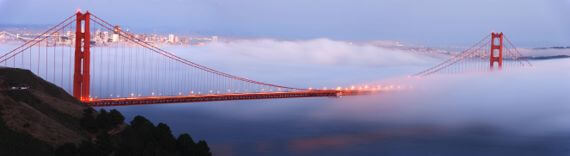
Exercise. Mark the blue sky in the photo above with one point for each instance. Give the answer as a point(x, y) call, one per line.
point(433, 22)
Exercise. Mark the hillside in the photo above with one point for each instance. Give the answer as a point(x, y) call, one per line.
point(43, 110)
point(39, 118)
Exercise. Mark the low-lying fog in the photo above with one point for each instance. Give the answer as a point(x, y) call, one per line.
point(519, 112)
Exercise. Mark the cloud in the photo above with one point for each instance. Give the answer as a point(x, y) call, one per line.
point(531, 101)
point(526, 102)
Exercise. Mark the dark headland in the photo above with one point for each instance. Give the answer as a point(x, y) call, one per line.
point(40, 118)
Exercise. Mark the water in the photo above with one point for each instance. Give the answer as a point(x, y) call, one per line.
point(424, 121)
point(515, 113)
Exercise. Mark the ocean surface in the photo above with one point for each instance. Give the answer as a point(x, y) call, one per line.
point(519, 112)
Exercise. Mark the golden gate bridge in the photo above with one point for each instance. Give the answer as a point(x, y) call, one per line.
point(132, 71)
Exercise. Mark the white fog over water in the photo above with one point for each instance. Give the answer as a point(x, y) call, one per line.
point(520, 112)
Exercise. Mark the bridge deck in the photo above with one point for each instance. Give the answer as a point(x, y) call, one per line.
point(221, 97)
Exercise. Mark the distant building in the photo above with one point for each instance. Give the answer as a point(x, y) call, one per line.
point(171, 38)
point(102, 37)
point(115, 38)
point(106, 36)
point(116, 32)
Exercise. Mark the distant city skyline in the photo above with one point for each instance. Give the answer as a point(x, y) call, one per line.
point(436, 22)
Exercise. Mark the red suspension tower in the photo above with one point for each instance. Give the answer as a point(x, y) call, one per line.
point(496, 50)
point(82, 48)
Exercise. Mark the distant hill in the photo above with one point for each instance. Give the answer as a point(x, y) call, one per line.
point(546, 53)
point(546, 57)
point(556, 47)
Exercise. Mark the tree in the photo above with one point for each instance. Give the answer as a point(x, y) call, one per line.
point(88, 120)
point(67, 149)
point(86, 148)
point(116, 118)
point(164, 138)
point(143, 130)
point(185, 144)
point(89, 111)
point(104, 144)
point(103, 121)
point(140, 122)
point(141, 137)
point(202, 148)
point(131, 143)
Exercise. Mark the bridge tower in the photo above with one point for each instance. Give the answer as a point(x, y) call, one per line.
point(496, 50)
point(82, 57)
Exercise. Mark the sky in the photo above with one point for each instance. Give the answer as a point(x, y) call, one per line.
point(531, 23)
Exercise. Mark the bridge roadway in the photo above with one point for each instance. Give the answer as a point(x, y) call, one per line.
point(222, 97)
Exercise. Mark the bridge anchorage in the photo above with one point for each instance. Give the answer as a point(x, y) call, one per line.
point(102, 65)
